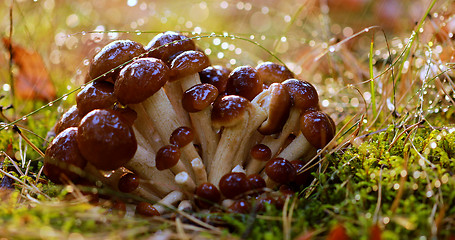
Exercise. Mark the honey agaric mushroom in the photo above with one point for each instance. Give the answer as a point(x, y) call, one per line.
point(107, 63)
point(130, 183)
point(234, 184)
point(302, 178)
point(244, 81)
point(105, 140)
point(185, 182)
point(141, 82)
point(260, 154)
point(317, 130)
point(169, 200)
point(237, 116)
point(95, 95)
point(271, 73)
point(304, 97)
point(256, 182)
point(165, 45)
point(168, 158)
point(63, 158)
point(70, 118)
point(207, 195)
point(217, 76)
point(197, 101)
point(146, 209)
point(279, 171)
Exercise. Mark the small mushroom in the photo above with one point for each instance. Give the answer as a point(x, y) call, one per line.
point(233, 184)
point(217, 76)
point(63, 159)
point(130, 183)
point(70, 118)
point(167, 44)
point(105, 140)
point(304, 97)
point(244, 81)
point(240, 206)
point(185, 182)
point(238, 117)
point(207, 195)
point(170, 199)
point(95, 95)
point(279, 171)
point(271, 73)
point(146, 209)
point(260, 154)
point(317, 130)
point(107, 63)
point(197, 101)
point(256, 182)
point(168, 158)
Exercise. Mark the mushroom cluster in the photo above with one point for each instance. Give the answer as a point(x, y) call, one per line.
point(162, 123)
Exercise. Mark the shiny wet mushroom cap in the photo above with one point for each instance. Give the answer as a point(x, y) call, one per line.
point(167, 157)
point(70, 118)
point(199, 97)
point(146, 209)
point(182, 136)
point(63, 158)
point(216, 75)
point(111, 58)
point(234, 184)
point(105, 140)
point(228, 110)
point(303, 95)
point(140, 79)
point(166, 44)
point(271, 72)
point(128, 182)
point(207, 195)
point(244, 81)
point(280, 170)
point(261, 152)
point(95, 95)
point(318, 128)
point(187, 63)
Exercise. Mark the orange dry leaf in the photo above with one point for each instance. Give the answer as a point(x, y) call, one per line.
point(32, 80)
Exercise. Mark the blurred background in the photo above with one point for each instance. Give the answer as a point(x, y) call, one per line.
point(301, 33)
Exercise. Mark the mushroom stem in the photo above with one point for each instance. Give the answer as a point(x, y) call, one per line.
point(290, 126)
point(145, 191)
point(202, 124)
point(185, 182)
point(144, 125)
point(297, 148)
point(169, 200)
point(143, 164)
point(199, 170)
point(231, 138)
point(165, 120)
point(174, 93)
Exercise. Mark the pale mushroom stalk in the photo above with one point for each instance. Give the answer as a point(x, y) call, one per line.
point(144, 126)
point(169, 200)
point(185, 182)
point(199, 170)
point(174, 92)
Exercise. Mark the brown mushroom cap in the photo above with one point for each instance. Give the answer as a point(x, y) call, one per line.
point(302, 178)
point(198, 97)
point(188, 63)
point(271, 72)
point(62, 154)
point(256, 182)
point(127, 114)
point(233, 184)
point(280, 170)
point(261, 152)
point(207, 195)
point(167, 157)
point(112, 56)
point(70, 118)
point(244, 81)
point(279, 106)
point(303, 95)
point(128, 182)
point(216, 75)
point(98, 94)
point(228, 110)
point(171, 43)
point(105, 140)
point(240, 206)
point(140, 79)
point(318, 128)
point(146, 209)
point(181, 136)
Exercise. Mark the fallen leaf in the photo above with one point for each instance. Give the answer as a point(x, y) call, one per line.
point(338, 233)
point(32, 81)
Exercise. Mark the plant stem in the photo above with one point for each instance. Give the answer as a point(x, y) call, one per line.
point(372, 88)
